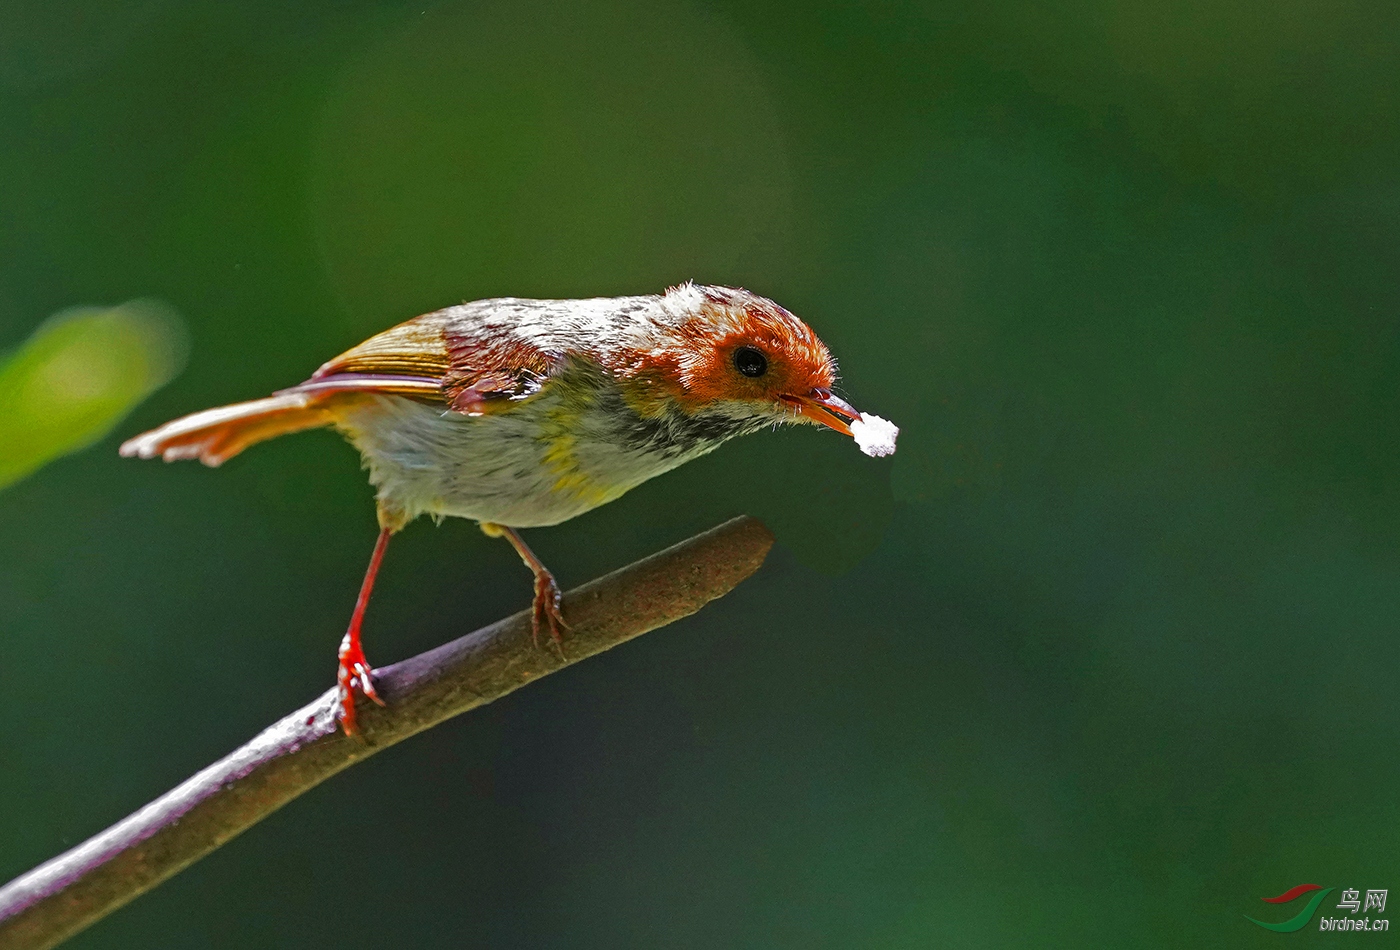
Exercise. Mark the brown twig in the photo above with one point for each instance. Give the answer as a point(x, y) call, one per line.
point(74, 890)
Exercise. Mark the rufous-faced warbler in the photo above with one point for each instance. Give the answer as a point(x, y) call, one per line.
point(523, 413)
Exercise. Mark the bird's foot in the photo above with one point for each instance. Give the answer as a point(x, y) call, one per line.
point(547, 612)
point(354, 673)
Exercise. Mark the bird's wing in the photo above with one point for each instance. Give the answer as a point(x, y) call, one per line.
point(413, 349)
point(471, 359)
point(460, 357)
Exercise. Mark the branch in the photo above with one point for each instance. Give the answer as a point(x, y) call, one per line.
point(74, 890)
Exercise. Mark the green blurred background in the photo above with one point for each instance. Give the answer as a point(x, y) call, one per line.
point(1106, 653)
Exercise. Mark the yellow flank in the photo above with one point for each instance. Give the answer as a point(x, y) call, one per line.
point(558, 434)
point(646, 395)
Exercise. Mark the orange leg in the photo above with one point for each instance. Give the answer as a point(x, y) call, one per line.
point(547, 611)
point(354, 669)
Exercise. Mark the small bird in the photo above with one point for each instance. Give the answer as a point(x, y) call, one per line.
point(521, 413)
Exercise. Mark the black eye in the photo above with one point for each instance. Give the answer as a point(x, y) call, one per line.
point(750, 362)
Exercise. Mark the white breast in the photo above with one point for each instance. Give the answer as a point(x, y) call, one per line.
point(536, 463)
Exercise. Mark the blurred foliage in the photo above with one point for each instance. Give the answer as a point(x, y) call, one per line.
point(78, 376)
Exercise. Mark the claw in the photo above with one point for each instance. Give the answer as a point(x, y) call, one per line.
point(354, 673)
point(547, 611)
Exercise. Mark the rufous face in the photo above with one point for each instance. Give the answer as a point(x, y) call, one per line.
point(763, 356)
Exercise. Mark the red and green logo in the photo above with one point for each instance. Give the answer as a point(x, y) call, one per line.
point(1304, 916)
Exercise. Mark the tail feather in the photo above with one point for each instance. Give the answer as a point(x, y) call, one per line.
point(216, 435)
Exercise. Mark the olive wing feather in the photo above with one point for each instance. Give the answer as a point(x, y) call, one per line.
point(459, 357)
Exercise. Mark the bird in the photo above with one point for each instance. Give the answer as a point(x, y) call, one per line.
point(521, 413)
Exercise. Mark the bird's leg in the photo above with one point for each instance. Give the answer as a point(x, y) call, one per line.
point(546, 611)
point(354, 671)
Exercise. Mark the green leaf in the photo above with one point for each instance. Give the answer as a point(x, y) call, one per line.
point(78, 375)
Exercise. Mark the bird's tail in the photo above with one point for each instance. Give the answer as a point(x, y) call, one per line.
point(216, 435)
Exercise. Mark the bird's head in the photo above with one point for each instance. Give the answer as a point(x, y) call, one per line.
point(735, 354)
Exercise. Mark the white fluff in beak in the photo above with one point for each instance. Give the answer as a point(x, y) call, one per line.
point(874, 435)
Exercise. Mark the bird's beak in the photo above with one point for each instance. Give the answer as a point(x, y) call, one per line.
point(823, 408)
